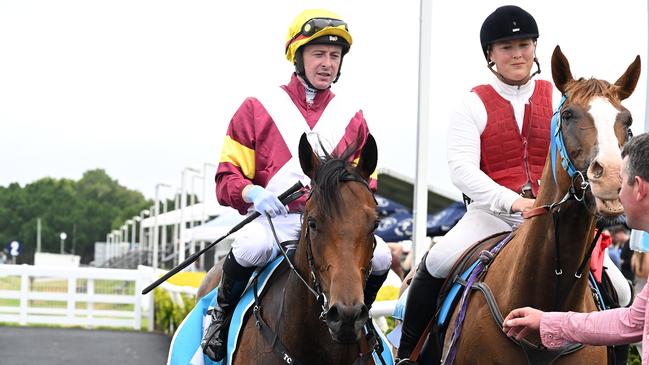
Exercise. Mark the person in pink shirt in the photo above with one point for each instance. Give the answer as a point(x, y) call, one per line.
point(613, 326)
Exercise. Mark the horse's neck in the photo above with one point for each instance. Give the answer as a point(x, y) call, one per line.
point(533, 255)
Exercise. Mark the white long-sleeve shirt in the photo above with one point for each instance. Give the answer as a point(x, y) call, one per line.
point(467, 123)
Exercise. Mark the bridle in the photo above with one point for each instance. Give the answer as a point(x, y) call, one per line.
point(316, 290)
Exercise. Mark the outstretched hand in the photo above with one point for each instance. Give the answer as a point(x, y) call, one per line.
point(521, 322)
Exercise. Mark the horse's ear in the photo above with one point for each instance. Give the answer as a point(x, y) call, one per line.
point(627, 82)
point(369, 155)
point(560, 70)
point(309, 161)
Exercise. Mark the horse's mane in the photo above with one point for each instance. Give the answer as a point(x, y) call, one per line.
point(333, 169)
point(581, 91)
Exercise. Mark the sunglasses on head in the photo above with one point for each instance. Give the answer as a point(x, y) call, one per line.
point(314, 25)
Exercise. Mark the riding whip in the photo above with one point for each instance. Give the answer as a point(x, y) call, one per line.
point(286, 197)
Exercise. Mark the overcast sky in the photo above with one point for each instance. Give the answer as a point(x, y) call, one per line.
point(143, 89)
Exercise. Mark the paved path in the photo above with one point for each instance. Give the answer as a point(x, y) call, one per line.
point(55, 346)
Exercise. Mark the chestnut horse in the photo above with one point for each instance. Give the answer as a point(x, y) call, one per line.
point(540, 267)
point(317, 311)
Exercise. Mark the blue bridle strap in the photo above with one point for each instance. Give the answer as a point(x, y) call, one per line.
point(556, 142)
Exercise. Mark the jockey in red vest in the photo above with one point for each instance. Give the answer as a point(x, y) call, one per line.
point(259, 159)
point(497, 144)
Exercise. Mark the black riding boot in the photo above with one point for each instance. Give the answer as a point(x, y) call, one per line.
point(233, 282)
point(372, 286)
point(420, 308)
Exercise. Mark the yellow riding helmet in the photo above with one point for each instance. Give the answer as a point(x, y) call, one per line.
point(312, 24)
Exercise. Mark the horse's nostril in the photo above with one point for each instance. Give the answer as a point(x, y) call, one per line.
point(597, 170)
point(333, 315)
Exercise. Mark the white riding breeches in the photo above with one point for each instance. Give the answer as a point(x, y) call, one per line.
point(254, 244)
point(477, 223)
point(619, 282)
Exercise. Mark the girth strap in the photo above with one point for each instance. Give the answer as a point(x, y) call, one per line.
point(536, 354)
point(270, 336)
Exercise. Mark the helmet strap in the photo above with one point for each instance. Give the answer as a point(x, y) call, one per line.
point(299, 68)
point(340, 67)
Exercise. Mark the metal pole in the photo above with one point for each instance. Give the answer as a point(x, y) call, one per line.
point(109, 240)
point(133, 221)
point(74, 238)
point(141, 233)
point(38, 235)
point(163, 242)
point(124, 239)
point(174, 242)
point(150, 236)
point(420, 199)
point(192, 200)
point(183, 203)
point(205, 175)
point(156, 212)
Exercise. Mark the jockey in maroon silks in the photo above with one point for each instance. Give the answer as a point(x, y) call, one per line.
point(259, 158)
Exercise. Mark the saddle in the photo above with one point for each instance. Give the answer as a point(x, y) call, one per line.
point(449, 297)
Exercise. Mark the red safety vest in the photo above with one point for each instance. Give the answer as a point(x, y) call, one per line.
point(512, 158)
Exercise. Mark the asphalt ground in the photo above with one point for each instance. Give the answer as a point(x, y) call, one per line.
point(57, 346)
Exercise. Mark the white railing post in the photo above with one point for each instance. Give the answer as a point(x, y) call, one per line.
point(72, 298)
point(24, 298)
point(137, 324)
point(150, 276)
point(90, 304)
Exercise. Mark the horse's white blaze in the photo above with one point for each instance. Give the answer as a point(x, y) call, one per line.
point(604, 115)
point(605, 184)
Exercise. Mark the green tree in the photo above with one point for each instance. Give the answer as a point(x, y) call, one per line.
point(86, 210)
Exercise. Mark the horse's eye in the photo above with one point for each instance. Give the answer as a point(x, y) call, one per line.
point(311, 222)
point(566, 115)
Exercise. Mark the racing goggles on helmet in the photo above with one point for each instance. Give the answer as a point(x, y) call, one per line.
point(314, 25)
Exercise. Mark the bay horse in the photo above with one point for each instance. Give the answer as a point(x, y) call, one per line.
point(543, 264)
point(317, 310)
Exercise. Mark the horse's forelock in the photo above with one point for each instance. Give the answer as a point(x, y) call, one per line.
point(333, 169)
point(581, 91)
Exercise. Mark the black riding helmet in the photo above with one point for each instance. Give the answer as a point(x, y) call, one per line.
point(504, 24)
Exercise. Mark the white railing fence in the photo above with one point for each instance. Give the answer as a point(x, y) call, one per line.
point(91, 297)
point(87, 297)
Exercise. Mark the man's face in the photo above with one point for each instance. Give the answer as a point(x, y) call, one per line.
point(321, 64)
point(628, 196)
